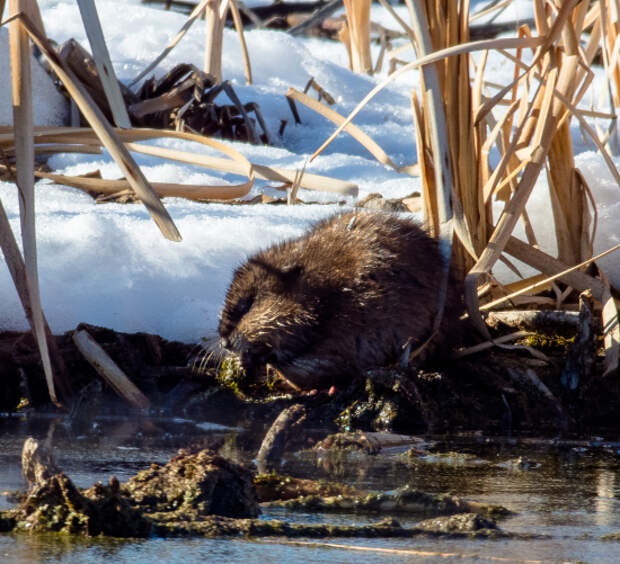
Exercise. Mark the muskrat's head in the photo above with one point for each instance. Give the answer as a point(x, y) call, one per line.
point(270, 315)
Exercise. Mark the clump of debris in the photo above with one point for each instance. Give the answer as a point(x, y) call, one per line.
point(183, 99)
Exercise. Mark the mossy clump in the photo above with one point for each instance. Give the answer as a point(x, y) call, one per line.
point(375, 407)
point(356, 441)
point(547, 341)
point(56, 505)
point(405, 500)
point(231, 376)
point(201, 483)
point(459, 523)
point(190, 487)
point(273, 486)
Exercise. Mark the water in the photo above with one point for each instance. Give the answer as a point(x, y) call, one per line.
point(566, 490)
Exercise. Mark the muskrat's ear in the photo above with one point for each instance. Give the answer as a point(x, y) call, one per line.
point(289, 276)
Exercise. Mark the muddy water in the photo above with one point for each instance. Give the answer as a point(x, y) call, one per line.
point(567, 490)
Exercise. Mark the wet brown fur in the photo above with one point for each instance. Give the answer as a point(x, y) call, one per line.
point(343, 298)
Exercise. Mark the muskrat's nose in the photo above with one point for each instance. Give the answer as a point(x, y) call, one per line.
point(224, 342)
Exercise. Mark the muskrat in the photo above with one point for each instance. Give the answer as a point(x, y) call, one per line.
point(346, 297)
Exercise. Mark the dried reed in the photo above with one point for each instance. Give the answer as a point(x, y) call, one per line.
point(50, 139)
point(355, 34)
point(27, 274)
point(531, 133)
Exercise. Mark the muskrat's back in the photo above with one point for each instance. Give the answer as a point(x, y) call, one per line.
point(344, 297)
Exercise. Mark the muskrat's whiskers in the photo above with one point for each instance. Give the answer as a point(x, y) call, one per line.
point(209, 356)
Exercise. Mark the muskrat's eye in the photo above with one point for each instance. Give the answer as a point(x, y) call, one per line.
point(289, 276)
point(242, 307)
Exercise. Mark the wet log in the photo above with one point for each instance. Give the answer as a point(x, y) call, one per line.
point(277, 437)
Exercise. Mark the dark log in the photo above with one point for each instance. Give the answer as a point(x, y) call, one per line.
point(279, 434)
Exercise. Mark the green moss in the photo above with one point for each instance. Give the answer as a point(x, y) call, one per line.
point(544, 341)
point(271, 479)
point(231, 375)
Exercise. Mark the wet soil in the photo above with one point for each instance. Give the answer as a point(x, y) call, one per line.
point(500, 392)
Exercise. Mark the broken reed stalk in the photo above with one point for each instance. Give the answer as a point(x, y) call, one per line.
point(215, 18)
point(438, 143)
point(361, 137)
point(24, 148)
point(568, 199)
point(234, 10)
point(199, 193)
point(108, 369)
point(355, 34)
point(99, 49)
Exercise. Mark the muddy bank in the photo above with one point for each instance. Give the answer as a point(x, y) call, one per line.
point(498, 391)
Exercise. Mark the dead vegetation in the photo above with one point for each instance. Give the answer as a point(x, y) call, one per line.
point(460, 118)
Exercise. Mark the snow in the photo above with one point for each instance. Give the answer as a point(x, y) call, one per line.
point(54, 110)
point(109, 265)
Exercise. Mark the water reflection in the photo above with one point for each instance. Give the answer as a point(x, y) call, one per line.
point(606, 506)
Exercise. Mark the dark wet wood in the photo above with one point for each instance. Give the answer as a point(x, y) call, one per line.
point(282, 429)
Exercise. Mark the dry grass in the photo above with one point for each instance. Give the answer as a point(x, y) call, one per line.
point(527, 122)
point(85, 140)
